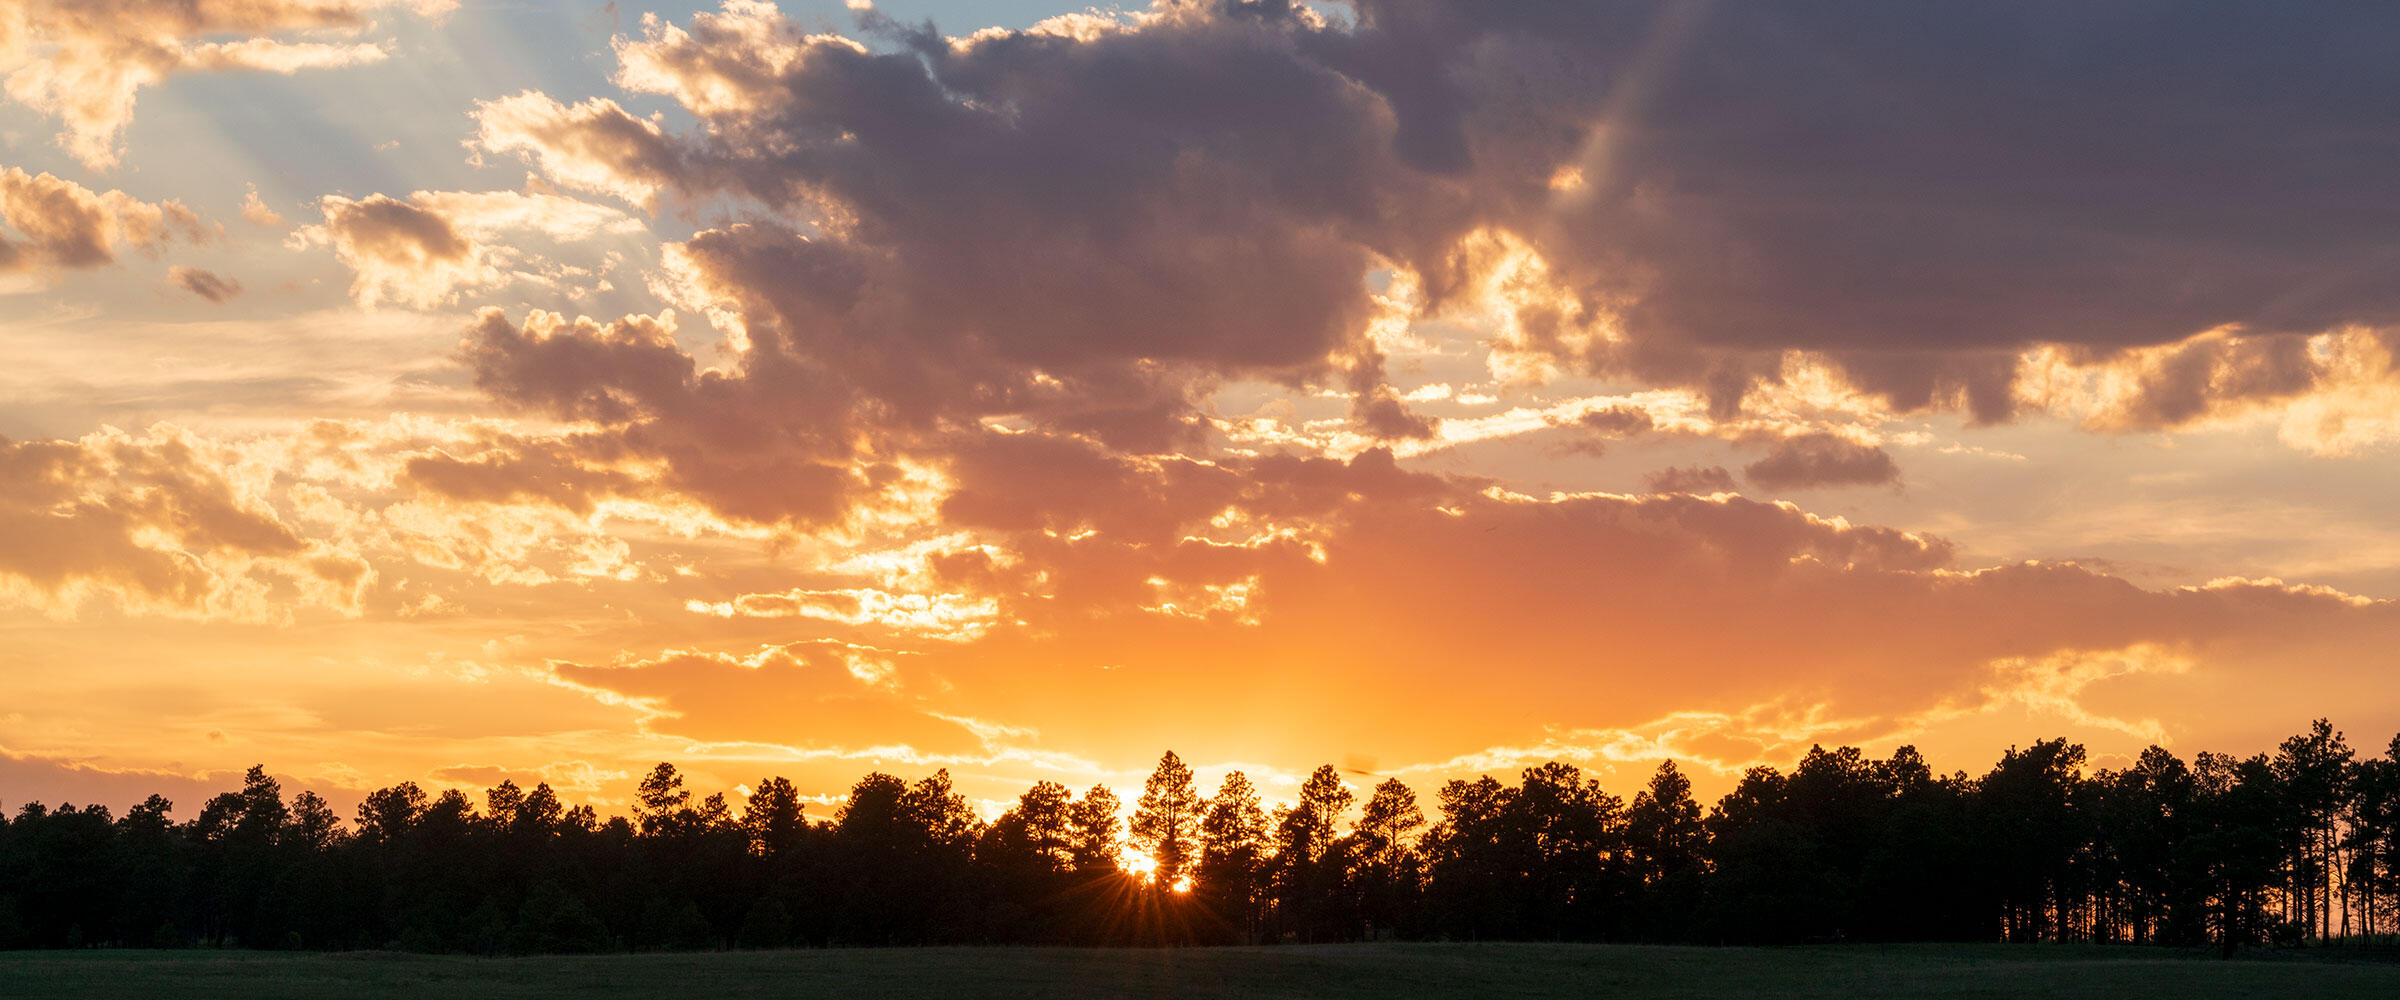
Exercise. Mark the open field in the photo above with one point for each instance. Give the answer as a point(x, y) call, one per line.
point(1377, 971)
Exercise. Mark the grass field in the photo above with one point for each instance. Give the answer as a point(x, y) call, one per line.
point(1383, 972)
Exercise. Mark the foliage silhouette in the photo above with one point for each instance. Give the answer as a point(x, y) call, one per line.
point(1166, 819)
point(2300, 846)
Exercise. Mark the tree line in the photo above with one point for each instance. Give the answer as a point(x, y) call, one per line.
point(2298, 846)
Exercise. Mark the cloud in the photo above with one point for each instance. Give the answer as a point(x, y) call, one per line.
point(84, 62)
point(399, 250)
point(1598, 426)
point(1381, 415)
point(58, 223)
point(516, 470)
point(798, 696)
point(948, 617)
point(423, 251)
point(2330, 393)
point(564, 776)
point(594, 145)
point(487, 214)
point(1919, 201)
point(256, 211)
point(60, 780)
point(1605, 611)
point(157, 522)
point(1086, 229)
point(484, 775)
point(989, 240)
point(1617, 421)
point(977, 303)
point(1818, 460)
point(766, 450)
point(1646, 190)
point(203, 283)
point(1691, 479)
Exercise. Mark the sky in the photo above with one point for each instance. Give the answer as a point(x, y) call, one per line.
point(454, 391)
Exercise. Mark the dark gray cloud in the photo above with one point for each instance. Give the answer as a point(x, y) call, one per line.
point(204, 283)
point(1946, 183)
point(1088, 229)
point(770, 444)
point(1691, 479)
point(1617, 421)
point(1087, 233)
point(1810, 461)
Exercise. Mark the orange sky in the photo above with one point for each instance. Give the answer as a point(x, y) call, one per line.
point(448, 391)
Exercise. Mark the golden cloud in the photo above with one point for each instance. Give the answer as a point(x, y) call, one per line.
point(85, 61)
point(425, 250)
point(61, 224)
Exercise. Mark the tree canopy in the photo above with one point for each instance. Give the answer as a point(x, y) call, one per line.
point(2298, 845)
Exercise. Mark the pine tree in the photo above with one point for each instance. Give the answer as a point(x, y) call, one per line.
point(1093, 844)
point(774, 817)
point(659, 800)
point(1166, 820)
point(1233, 835)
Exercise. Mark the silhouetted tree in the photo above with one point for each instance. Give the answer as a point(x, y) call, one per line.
point(153, 871)
point(540, 814)
point(876, 857)
point(1027, 857)
point(660, 801)
point(2282, 848)
point(1309, 867)
point(387, 813)
point(2372, 842)
point(2237, 846)
point(1664, 845)
point(1092, 843)
point(2145, 814)
point(1390, 872)
point(2037, 837)
point(1166, 821)
point(1233, 837)
point(1663, 835)
point(775, 818)
point(1473, 890)
point(2316, 770)
point(1567, 836)
point(1041, 826)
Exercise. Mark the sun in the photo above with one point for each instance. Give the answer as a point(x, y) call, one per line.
point(1141, 865)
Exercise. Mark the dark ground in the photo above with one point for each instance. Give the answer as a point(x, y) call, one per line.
point(1381, 971)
